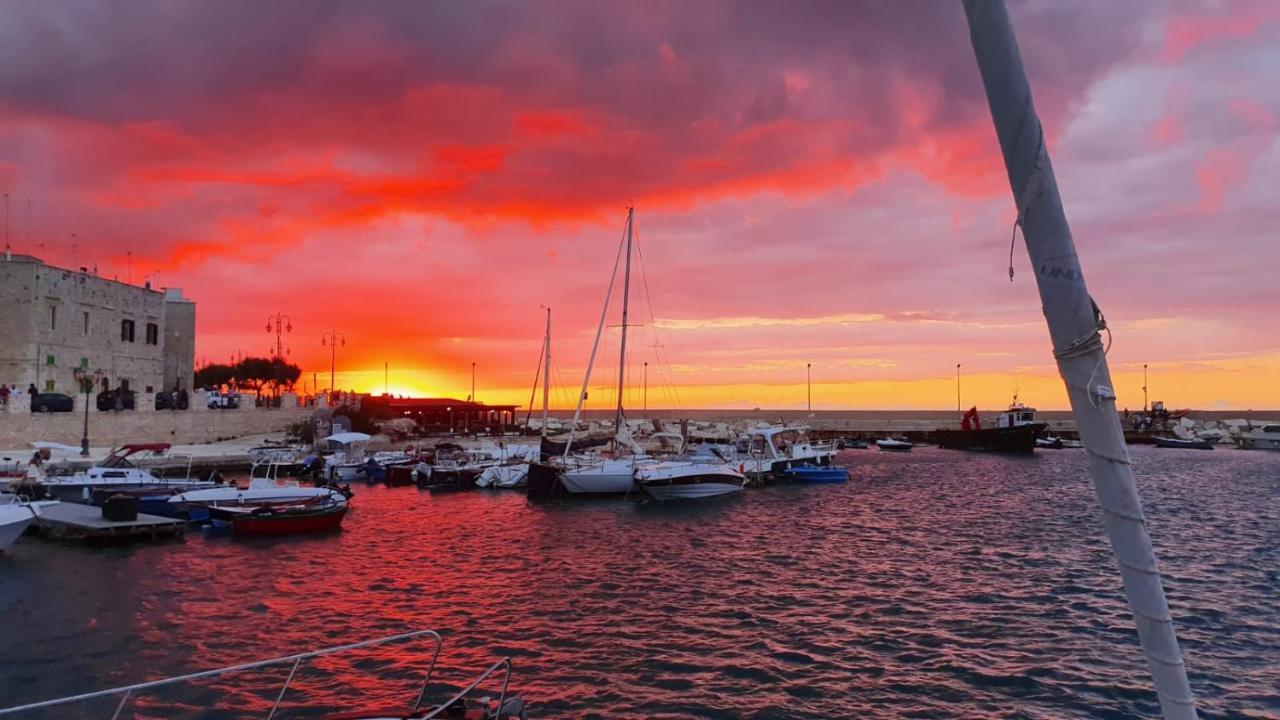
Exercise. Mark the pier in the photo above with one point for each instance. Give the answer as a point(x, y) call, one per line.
point(73, 521)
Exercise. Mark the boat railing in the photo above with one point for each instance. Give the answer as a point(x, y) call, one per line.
point(503, 664)
point(127, 691)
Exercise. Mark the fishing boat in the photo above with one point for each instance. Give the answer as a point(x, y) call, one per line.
point(118, 470)
point(264, 488)
point(1265, 438)
point(685, 480)
point(816, 475)
point(1015, 431)
point(774, 449)
point(347, 462)
point(462, 704)
point(1186, 444)
point(894, 444)
point(295, 518)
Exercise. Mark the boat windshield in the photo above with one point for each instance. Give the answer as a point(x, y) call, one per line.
point(1271, 428)
point(116, 461)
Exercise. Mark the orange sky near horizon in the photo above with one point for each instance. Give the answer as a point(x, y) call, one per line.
point(813, 184)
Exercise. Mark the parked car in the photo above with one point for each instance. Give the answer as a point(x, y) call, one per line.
point(117, 399)
point(52, 402)
point(172, 400)
point(223, 401)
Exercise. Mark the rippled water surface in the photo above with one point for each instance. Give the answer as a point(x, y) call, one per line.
point(934, 584)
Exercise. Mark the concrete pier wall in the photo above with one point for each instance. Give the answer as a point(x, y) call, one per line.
point(19, 427)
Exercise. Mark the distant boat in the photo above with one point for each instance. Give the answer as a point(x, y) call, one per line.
point(1267, 438)
point(1192, 444)
point(895, 445)
point(684, 480)
point(1015, 431)
point(1049, 442)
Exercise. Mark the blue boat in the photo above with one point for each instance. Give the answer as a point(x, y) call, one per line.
point(815, 474)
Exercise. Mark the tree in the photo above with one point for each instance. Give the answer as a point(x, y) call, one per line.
point(251, 373)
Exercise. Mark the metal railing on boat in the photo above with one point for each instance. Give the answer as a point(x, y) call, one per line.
point(128, 691)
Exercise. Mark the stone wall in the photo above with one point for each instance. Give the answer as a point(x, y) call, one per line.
point(19, 427)
point(56, 320)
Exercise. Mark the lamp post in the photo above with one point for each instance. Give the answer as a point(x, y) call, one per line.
point(808, 379)
point(87, 382)
point(279, 324)
point(333, 338)
point(958, 388)
point(1144, 387)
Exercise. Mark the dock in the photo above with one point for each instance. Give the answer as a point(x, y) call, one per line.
point(74, 521)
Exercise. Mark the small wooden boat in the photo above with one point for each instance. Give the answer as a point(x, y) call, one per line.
point(816, 475)
point(282, 518)
point(1193, 444)
point(895, 445)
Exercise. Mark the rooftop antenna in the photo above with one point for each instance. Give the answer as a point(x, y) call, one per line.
point(1075, 326)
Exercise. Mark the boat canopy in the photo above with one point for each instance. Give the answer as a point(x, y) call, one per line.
point(346, 438)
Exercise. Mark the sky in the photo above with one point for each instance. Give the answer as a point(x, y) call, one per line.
point(817, 186)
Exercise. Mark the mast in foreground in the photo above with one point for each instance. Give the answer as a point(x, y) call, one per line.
point(1074, 326)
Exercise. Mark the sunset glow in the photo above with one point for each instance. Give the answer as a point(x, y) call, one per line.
point(815, 183)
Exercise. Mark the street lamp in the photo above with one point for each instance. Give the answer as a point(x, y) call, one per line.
point(332, 338)
point(87, 382)
point(279, 324)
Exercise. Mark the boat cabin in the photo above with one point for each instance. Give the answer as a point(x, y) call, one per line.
point(1017, 415)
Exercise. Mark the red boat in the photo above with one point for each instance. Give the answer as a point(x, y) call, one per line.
point(283, 519)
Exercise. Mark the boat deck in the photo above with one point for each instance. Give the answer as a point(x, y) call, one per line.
point(74, 521)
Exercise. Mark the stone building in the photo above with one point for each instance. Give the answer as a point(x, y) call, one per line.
point(54, 320)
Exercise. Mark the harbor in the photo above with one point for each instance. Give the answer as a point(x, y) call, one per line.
point(498, 361)
point(932, 568)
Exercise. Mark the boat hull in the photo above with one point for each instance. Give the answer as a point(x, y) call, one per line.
point(1017, 439)
point(611, 477)
point(290, 523)
point(14, 520)
point(817, 476)
point(1252, 443)
point(692, 490)
point(1183, 444)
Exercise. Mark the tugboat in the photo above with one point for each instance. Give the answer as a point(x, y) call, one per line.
point(1015, 431)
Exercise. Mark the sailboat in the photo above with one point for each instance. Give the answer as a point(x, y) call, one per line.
point(600, 475)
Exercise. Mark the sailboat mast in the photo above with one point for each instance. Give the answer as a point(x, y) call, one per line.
point(626, 299)
point(1074, 326)
point(595, 345)
point(546, 375)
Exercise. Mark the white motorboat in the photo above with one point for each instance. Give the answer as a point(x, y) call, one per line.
point(776, 448)
point(685, 480)
point(894, 445)
point(504, 476)
point(348, 461)
point(264, 487)
point(1265, 438)
point(116, 471)
point(14, 519)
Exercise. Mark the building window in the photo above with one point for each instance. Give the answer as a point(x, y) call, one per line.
point(48, 386)
point(86, 322)
point(153, 334)
point(48, 359)
point(126, 331)
point(84, 363)
point(53, 317)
